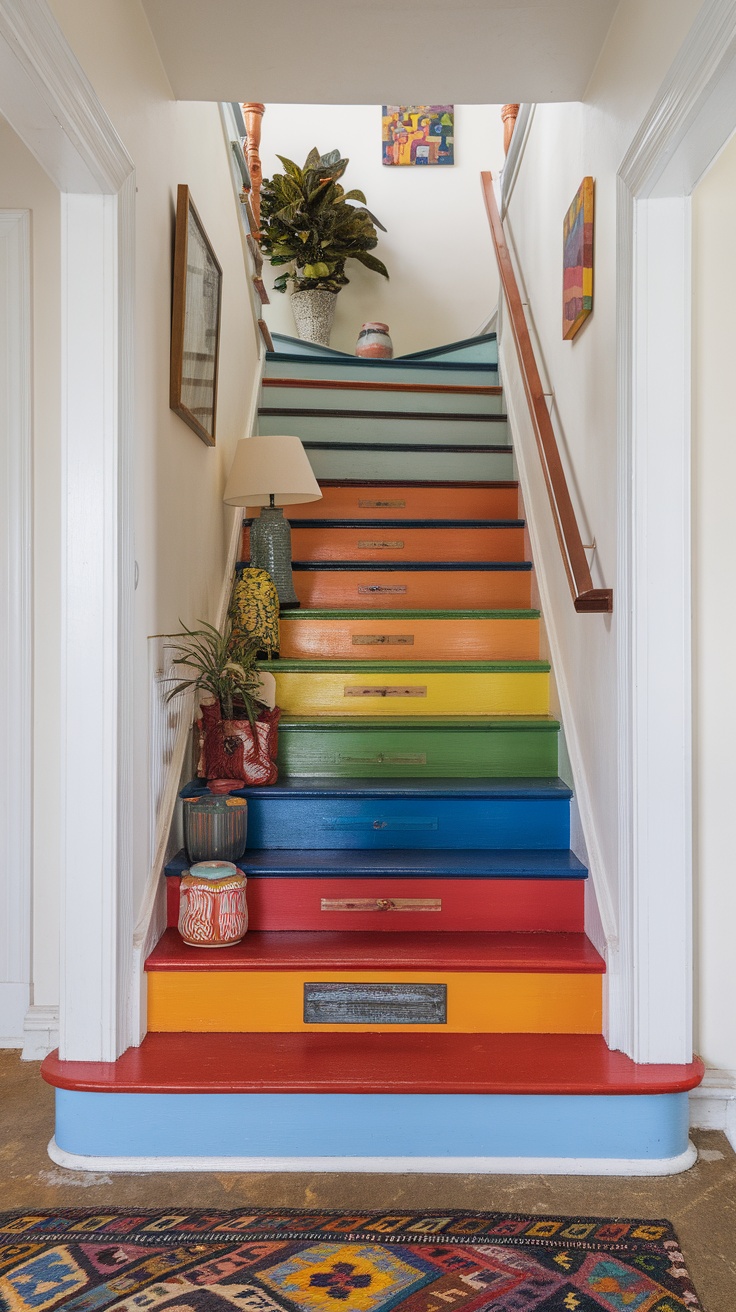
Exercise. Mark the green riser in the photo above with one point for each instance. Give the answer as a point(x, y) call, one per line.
point(417, 753)
point(339, 428)
point(416, 373)
point(349, 399)
point(401, 466)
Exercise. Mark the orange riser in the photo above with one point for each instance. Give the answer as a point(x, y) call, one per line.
point(420, 590)
point(399, 544)
point(471, 502)
point(441, 640)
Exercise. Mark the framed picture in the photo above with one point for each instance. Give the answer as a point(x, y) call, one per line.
point(418, 134)
point(577, 261)
point(195, 322)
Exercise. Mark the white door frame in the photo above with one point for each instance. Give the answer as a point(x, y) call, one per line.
point(691, 120)
point(51, 105)
point(15, 623)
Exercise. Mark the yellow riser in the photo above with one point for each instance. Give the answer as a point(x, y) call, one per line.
point(455, 693)
point(273, 1001)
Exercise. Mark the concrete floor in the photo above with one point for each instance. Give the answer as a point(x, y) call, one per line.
point(701, 1203)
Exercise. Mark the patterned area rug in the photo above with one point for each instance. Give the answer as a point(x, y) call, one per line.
point(286, 1260)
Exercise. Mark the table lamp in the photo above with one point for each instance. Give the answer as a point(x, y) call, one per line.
point(272, 472)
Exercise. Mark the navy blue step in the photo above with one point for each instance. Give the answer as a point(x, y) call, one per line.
point(403, 863)
point(422, 813)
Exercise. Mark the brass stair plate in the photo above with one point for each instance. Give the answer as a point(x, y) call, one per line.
point(383, 639)
point(381, 904)
point(396, 690)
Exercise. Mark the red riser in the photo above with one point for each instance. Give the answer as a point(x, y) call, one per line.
point(514, 905)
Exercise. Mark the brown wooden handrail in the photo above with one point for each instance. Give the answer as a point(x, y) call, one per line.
point(585, 597)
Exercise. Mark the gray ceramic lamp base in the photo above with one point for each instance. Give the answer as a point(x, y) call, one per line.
point(270, 549)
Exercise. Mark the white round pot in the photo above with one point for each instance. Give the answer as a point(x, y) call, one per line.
point(314, 313)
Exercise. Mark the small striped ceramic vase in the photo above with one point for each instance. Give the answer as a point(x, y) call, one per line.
point(374, 342)
point(212, 909)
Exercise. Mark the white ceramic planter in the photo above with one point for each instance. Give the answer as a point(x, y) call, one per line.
point(314, 314)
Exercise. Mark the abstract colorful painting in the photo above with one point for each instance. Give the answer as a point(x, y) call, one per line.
point(577, 260)
point(418, 134)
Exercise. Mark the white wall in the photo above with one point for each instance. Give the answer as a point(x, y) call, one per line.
point(565, 143)
point(181, 525)
point(443, 281)
point(714, 543)
point(24, 185)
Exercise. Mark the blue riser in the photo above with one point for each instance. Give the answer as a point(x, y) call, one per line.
point(403, 466)
point(307, 822)
point(371, 1125)
point(426, 402)
point(338, 428)
point(344, 368)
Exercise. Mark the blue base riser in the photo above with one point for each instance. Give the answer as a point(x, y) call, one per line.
point(625, 1127)
point(314, 822)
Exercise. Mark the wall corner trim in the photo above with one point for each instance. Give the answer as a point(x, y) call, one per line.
point(40, 1032)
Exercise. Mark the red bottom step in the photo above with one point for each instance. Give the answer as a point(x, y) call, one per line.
point(372, 1063)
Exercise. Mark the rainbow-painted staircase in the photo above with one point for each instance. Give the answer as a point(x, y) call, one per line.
point(416, 990)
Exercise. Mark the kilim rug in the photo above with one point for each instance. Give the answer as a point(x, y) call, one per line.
point(284, 1260)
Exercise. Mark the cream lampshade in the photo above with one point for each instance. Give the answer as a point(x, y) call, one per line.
point(272, 471)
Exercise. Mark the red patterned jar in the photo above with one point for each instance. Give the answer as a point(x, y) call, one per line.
point(212, 909)
point(374, 342)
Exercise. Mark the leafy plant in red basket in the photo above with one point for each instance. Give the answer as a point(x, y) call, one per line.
point(238, 732)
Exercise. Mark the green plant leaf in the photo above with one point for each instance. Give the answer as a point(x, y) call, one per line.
point(371, 262)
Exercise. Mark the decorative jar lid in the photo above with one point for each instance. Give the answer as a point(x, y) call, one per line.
point(221, 803)
point(375, 328)
point(213, 869)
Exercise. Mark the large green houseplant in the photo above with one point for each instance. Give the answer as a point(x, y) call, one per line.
point(311, 225)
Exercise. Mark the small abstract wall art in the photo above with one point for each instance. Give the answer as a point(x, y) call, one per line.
point(418, 134)
point(577, 261)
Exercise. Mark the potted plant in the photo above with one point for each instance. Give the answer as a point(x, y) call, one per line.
point(310, 223)
point(238, 732)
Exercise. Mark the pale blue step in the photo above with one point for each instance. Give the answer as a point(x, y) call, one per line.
point(295, 346)
point(348, 367)
point(302, 398)
point(471, 350)
point(339, 428)
point(396, 466)
point(373, 1131)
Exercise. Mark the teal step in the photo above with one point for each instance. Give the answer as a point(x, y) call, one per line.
point(442, 429)
point(366, 463)
point(472, 350)
point(347, 368)
point(346, 398)
point(462, 747)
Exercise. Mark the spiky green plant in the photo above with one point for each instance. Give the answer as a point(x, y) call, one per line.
point(220, 667)
point(310, 222)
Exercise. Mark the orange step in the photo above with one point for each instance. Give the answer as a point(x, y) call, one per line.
point(506, 588)
point(411, 635)
point(343, 500)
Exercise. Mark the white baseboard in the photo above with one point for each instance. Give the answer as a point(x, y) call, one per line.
point(385, 1165)
point(713, 1103)
point(40, 1033)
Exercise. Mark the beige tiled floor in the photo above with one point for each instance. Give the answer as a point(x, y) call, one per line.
point(701, 1203)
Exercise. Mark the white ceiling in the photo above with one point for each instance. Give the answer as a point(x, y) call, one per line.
point(379, 51)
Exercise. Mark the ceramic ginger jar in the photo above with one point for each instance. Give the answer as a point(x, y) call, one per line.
point(212, 908)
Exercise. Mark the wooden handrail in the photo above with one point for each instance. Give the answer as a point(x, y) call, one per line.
point(253, 112)
point(585, 597)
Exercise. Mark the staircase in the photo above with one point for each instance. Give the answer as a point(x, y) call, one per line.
point(416, 990)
